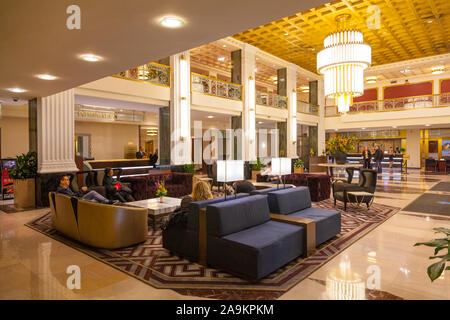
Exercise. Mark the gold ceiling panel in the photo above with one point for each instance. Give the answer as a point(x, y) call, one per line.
point(408, 29)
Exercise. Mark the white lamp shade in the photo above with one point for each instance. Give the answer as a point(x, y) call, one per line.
point(281, 166)
point(230, 170)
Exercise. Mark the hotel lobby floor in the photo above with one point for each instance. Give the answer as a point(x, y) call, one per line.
point(26, 271)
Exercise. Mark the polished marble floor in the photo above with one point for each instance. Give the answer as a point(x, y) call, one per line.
point(382, 265)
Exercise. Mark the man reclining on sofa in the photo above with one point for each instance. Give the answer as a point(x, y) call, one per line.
point(93, 196)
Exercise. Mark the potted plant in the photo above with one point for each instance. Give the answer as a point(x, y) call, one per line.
point(189, 168)
point(298, 166)
point(339, 147)
point(256, 168)
point(435, 270)
point(161, 190)
point(24, 175)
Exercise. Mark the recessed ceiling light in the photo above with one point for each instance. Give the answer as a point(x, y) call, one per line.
point(395, 127)
point(210, 117)
point(336, 129)
point(427, 125)
point(256, 69)
point(406, 70)
point(17, 90)
point(221, 58)
point(260, 122)
point(224, 46)
point(90, 57)
point(171, 22)
point(286, 34)
point(46, 77)
point(371, 79)
point(363, 128)
point(437, 70)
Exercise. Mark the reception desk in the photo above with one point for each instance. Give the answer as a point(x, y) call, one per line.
point(119, 163)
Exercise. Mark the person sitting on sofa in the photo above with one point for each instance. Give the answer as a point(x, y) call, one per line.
point(114, 189)
point(201, 191)
point(268, 172)
point(243, 186)
point(93, 196)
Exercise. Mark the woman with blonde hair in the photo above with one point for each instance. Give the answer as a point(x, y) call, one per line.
point(201, 191)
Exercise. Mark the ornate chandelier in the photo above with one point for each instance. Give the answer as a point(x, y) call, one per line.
point(342, 62)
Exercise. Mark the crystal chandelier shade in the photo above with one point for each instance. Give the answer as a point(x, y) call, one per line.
point(342, 62)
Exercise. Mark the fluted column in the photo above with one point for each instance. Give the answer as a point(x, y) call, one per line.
point(321, 125)
point(55, 133)
point(249, 110)
point(291, 93)
point(180, 109)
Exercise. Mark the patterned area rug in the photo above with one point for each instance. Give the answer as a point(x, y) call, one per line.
point(154, 265)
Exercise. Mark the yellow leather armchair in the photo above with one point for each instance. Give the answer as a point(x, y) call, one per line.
point(98, 225)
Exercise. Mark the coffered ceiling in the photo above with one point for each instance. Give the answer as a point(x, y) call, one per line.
point(408, 29)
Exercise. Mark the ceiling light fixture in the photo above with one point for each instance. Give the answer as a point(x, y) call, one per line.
point(395, 127)
point(427, 125)
point(371, 79)
point(90, 57)
point(17, 90)
point(260, 122)
point(363, 128)
point(304, 89)
point(342, 62)
point(406, 70)
point(46, 77)
point(437, 70)
point(210, 117)
point(171, 22)
point(221, 58)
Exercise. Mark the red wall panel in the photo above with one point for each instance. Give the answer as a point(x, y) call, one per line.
point(408, 90)
point(445, 86)
point(369, 95)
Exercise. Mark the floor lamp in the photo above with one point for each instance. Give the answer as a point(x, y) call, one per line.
point(280, 167)
point(229, 171)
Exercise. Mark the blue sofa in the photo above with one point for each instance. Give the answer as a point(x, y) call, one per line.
point(242, 238)
point(182, 237)
point(267, 190)
point(296, 202)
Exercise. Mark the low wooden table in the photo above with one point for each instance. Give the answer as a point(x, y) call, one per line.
point(157, 209)
point(360, 197)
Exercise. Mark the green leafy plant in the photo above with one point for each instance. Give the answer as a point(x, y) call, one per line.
point(435, 270)
point(298, 163)
point(339, 144)
point(258, 165)
point(189, 168)
point(26, 166)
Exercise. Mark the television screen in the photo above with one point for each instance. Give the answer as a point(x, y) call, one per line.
point(8, 163)
point(445, 147)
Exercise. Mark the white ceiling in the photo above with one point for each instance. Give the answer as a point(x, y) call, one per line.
point(35, 39)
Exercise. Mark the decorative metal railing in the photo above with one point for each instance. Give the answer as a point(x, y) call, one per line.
point(219, 88)
point(153, 73)
point(271, 100)
point(418, 102)
point(306, 107)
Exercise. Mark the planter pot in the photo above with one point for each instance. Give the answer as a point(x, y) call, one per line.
point(340, 158)
point(298, 170)
point(24, 193)
point(254, 174)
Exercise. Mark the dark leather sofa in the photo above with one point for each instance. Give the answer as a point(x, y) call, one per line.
point(178, 184)
point(319, 184)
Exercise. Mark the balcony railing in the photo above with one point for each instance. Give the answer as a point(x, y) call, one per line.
point(309, 108)
point(271, 100)
point(408, 103)
point(153, 73)
point(211, 86)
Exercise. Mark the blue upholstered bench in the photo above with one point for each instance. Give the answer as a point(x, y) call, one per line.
point(296, 202)
point(267, 190)
point(182, 238)
point(241, 238)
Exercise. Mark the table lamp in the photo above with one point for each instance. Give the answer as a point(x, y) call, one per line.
point(281, 166)
point(229, 171)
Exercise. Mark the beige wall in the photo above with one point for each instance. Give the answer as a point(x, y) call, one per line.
point(108, 139)
point(14, 136)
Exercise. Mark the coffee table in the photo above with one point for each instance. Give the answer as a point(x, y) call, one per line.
point(157, 209)
point(361, 197)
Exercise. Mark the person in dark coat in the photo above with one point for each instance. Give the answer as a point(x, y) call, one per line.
point(378, 158)
point(140, 154)
point(83, 193)
point(114, 189)
point(367, 158)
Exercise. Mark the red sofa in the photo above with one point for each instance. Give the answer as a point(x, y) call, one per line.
point(319, 184)
point(178, 184)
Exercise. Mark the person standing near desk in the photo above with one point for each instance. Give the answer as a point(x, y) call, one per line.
point(141, 153)
point(367, 157)
point(378, 158)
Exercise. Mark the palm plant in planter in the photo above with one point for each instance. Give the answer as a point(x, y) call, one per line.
point(339, 147)
point(298, 166)
point(435, 270)
point(24, 175)
point(256, 168)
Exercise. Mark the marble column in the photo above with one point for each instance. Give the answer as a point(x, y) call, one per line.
point(236, 66)
point(291, 93)
point(180, 109)
point(314, 131)
point(321, 125)
point(55, 133)
point(164, 136)
point(282, 138)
